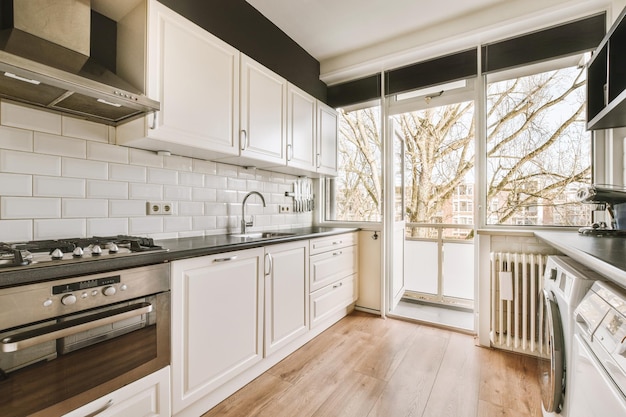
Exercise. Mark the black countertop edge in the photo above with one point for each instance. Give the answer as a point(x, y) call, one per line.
point(606, 255)
point(179, 248)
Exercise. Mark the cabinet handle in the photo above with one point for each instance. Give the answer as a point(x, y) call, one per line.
point(318, 161)
point(338, 285)
point(338, 243)
point(270, 263)
point(289, 152)
point(153, 126)
point(100, 410)
point(231, 258)
point(244, 140)
point(337, 253)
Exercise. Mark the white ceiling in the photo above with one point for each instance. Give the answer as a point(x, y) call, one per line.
point(329, 28)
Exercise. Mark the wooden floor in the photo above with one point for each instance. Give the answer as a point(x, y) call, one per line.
point(365, 366)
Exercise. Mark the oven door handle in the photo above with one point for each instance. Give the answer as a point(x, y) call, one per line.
point(66, 328)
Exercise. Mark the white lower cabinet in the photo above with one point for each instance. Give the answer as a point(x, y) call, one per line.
point(286, 289)
point(147, 397)
point(333, 276)
point(217, 316)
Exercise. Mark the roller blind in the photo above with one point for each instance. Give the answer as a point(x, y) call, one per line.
point(353, 92)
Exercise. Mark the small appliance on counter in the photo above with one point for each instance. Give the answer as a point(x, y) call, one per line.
point(611, 198)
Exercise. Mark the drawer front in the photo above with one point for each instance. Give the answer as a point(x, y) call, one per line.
point(332, 298)
point(328, 243)
point(332, 266)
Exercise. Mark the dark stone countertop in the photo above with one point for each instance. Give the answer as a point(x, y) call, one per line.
point(176, 249)
point(605, 255)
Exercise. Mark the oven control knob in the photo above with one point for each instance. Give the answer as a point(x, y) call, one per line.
point(47, 303)
point(68, 300)
point(96, 250)
point(109, 291)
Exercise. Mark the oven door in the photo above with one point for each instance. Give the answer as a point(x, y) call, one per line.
point(552, 369)
point(53, 367)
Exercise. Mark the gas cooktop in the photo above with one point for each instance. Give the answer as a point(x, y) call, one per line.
point(74, 249)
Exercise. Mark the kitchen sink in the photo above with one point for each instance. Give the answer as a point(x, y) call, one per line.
point(263, 235)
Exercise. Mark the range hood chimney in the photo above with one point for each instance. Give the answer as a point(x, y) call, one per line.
point(45, 63)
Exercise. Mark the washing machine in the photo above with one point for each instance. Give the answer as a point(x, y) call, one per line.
point(565, 284)
point(598, 385)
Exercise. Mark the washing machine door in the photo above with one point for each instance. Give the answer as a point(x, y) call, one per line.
point(552, 368)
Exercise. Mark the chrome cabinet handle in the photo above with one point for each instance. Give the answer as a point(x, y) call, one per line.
point(231, 258)
point(319, 163)
point(101, 409)
point(67, 328)
point(153, 126)
point(338, 285)
point(289, 152)
point(270, 263)
point(244, 141)
point(337, 253)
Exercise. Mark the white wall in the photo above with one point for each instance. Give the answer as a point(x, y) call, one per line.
point(61, 177)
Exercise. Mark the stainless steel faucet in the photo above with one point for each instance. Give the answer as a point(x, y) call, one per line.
point(244, 223)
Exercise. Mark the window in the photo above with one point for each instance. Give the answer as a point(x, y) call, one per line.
point(538, 149)
point(356, 193)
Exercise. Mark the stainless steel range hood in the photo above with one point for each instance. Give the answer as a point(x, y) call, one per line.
point(44, 62)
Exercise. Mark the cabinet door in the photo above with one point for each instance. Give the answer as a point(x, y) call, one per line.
point(195, 76)
point(327, 120)
point(301, 129)
point(263, 113)
point(286, 294)
point(217, 321)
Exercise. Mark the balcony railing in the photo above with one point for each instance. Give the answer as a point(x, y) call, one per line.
point(439, 263)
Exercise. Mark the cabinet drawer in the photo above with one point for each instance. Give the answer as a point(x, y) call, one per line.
point(332, 298)
point(332, 266)
point(324, 244)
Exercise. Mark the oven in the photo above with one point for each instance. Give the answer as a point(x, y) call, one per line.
point(68, 341)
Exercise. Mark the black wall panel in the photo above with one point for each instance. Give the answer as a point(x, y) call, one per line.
point(239, 24)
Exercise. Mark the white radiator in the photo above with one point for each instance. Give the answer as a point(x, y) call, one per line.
point(517, 316)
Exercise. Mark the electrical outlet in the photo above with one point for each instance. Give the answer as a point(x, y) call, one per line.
point(159, 207)
point(284, 209)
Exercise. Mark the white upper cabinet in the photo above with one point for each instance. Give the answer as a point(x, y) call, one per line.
point(301, 129)
point(327, 128)
point(195, 76)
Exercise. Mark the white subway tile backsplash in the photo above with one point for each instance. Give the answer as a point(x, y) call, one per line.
point(204, 167)
point(227, 196)
point(59, 228)
point(16, 185)
point(61, 177)
point(29, 163)
point(58, 187)
point(79, 208)
point(176, 224)
point(107, 227)
point(127, 208)
point(145, 225)
point(226, 170)
point(179, 163)
point(26, 118)
point(16, 230)
point(16, 139)
point(217, 183)
point(84, 129)
point(203, 194)
point(190, 208)
point(107, 189)
point(82, 168)
point(109, 153)
point(236, 184)
point(131, 173)
point(162, 176)
point(146, 192)
point(47, 144)
point(29, 208)
point(177, 193)
point(191, 178)
point(204, 223)
point(145, 158)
